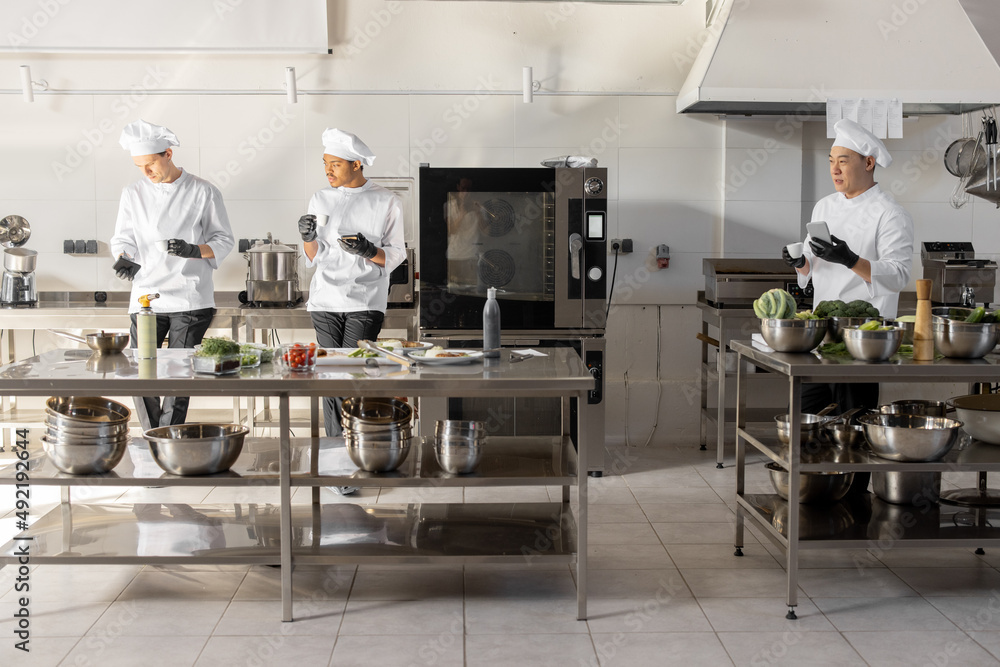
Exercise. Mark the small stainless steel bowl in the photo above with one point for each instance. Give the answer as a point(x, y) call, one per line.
point(910, 437)
point(915, 407)
point(846, 435)
point(835, 333)
point(793, 335)
point(196, 449)
point(77, 459)
point(872, 346)
point(814, 487)
point(810, 427)
point(907, 488)
point(907, 328)
point(458, 445)
point(376, 411)
point(383, 453)
point(87, 409)
point(980, 416)
point(962, 340)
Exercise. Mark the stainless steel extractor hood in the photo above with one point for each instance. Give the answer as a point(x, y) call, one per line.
point(781, 57)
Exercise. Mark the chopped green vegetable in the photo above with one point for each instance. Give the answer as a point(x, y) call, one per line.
point(362, 353)
point(871, 325)
point(806, 315)
point(905, 349)
point(833, 349)
point(247, 359)
point(976, 316)
point(266, 353)
point(217, 347)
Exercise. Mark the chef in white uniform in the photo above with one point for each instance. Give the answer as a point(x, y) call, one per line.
point(353, 254)
point(868, 256)
point(172, 231)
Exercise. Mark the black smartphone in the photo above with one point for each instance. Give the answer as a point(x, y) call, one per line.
point(121, 264)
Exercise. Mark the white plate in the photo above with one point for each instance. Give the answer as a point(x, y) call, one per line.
point(420, 345)
point(338, 357)
point(470, 356)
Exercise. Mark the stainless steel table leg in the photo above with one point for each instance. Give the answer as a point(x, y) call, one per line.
point(583, 445)
point(314, 432)
point(794, 453)
point(720, 424)
point(741, 399)
point(285, 478)
point(703, 372)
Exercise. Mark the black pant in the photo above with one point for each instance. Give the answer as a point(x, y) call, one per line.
point(343, 330)
point(186, 330)
point(847, 396)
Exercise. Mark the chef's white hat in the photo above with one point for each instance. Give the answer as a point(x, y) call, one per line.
point(142, 138)
point(347, 146)
point(861, 141)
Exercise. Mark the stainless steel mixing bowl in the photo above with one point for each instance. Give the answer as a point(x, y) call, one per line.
point(910, 437)
point(814, 487)
point(793, 335)
point(907, 488)
point(915, 407)
point(846, 435)
point(78, 459)
point(907, 328)
point(835, 333)
point(980, 416)
point(196, 449)
point(86, 409)
point(382, 452)
point(459, 445)
point(962, 340)
point(872, 345)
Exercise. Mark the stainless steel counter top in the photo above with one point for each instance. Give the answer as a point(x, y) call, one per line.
point(815, 367)
point(64, 372)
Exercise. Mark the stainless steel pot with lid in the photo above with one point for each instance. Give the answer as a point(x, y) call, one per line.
point(19, 260)
point(270, 260)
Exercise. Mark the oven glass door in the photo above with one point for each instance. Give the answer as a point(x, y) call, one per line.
point(482, 228)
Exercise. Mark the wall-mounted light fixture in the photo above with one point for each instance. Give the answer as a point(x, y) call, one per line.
point(291, 87)
point(528, 85)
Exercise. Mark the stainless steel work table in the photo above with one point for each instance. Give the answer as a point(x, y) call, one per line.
point(858, 522)
point(524, 533)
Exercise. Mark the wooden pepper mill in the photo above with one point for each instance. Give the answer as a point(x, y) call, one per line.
point(923, 337)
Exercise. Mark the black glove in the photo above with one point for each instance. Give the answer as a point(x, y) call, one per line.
point(794, 262)
point(358, 245)
point(180, 248)
point(126, 269)
point(836, 252)
point(307, 227)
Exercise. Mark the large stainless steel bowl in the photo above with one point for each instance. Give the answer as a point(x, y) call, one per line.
point(907, 488)
point(196, 449)
point(915, 407)
point(86, 409)
point(381, 452)
point(811, 425)
point(835, 332)
point(910, 437)
point(980, 416)
point(962, 340)
point(90, 430)
point(62, 438)
point(872, 345)
point(459, 445)
point(814, 487)
point(77, 459)
point(373, 413)
point(793, 335)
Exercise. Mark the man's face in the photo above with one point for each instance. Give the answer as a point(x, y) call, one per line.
point(849, 171)
point(339, 171)
point(155, 167)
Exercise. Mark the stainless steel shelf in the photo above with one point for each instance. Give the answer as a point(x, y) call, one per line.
point(864, 520)
point(521, 461)
point(322, 534)
point(35, 418)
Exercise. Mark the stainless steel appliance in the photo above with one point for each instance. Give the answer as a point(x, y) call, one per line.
point(401, 285)
point(538, 235)
point(273, 274)
point(17, 287)
point(957, 276)
point(736, 282)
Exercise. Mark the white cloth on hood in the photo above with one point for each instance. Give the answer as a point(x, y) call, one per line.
point(570, 161)
point(191, 209)
point(346, 283)
point(861, 141)
point(142, 138)
point(876, 227)
point(347, 146)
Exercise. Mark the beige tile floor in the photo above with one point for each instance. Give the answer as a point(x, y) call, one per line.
point(665, 589)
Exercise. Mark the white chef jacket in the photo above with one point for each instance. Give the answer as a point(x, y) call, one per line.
point(878, 229)
point(344, 282)
point(190, 209)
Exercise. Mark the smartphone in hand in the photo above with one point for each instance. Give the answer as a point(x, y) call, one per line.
point(819, 230)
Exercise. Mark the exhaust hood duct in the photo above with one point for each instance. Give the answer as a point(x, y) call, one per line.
point(775, 57)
